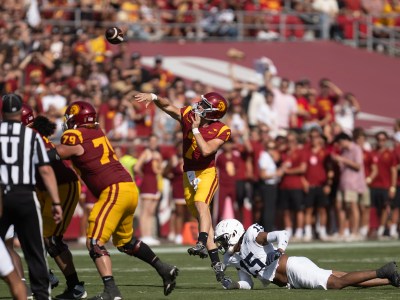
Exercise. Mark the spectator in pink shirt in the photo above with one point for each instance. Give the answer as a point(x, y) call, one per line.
point(352, 184)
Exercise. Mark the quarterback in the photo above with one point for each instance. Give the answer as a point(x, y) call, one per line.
point(203, 135)
point(253, 254)
point(112, 215)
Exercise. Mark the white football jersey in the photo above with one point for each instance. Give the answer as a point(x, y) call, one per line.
point(254, 256)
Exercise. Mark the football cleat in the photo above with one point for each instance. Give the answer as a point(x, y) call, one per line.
point(395, 279)
point(387, 270)
point(168, 274)
point(78, 292)
point(218, 268)
point(53, 279)
point(108, 294)
point(199, 249)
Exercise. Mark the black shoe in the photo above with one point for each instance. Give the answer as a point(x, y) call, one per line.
point(77, 292)
point(199, 249)
point(387, 270)
point(109, 294)
point(53, 279)
point(168, 274)
point(219, 268)
point(395, 279)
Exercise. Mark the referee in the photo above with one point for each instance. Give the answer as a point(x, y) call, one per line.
point(22, 153)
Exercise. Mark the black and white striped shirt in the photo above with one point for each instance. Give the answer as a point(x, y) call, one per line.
point(22, 150)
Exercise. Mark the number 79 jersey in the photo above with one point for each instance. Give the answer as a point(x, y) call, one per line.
point(254, 256)
point(98, 166)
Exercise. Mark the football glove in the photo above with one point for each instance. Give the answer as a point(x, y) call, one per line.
point(272, 256)
point(229, 284)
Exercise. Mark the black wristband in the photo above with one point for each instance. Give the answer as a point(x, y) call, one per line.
point(53, 155)
point(56, 204)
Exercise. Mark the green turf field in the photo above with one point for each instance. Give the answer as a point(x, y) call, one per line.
point(196, 279)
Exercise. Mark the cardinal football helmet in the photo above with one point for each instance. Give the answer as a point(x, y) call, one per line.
point(227, 233)
point(27, 116)
point(79, 113)
point(212, 106)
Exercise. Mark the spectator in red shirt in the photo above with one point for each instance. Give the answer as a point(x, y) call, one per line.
point(383, 185)
point(226, 166)
point(291, 200)
point(107, 112)
point(316, 182)
point(328, 97)
point(370, 170)
point(396, 202)
point(303, 110)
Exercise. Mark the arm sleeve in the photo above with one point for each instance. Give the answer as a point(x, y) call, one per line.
point(245, 281)
point(280, 237)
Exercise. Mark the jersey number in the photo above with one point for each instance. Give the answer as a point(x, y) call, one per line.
point(252, 267)
point(107, 148)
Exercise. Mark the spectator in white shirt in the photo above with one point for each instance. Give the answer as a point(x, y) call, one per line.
point(267, 114)
point(346, 111)
point(285, 105)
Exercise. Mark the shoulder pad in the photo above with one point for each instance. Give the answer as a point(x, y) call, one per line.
point(72, 137)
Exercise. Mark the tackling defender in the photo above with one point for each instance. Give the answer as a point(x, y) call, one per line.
point(112, 215)
point(203, 135)
point(253, 254)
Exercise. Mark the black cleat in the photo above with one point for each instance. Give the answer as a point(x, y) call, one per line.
point(387, 270)
point(395, 279)
point(168, 274)
point(219, 268)
point(77, 292)
point(108, 294)
point(199, 249)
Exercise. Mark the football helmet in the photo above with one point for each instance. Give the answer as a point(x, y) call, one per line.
point(27, 116)
point(212, 106)
point(79, 113)
point(227, 233)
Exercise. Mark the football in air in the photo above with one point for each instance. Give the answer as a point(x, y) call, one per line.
point(114, 35)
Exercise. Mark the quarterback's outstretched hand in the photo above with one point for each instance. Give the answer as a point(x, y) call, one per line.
point(229, 284)
point(146, 97)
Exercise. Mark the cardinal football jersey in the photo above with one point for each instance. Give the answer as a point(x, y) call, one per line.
point(98, 166)
point(193, 160)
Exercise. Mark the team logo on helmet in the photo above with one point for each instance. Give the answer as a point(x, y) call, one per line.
point(74, 110)
point(221, 106)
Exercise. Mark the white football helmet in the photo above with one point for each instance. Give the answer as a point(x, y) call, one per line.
point(227, 233)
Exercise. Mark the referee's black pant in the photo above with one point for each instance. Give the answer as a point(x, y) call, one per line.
point(21, 208)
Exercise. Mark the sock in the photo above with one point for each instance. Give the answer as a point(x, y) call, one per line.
point(146, 254)
point(72, 280)
point(322, 231)
point(381, 230)
point(109, 282)
point(299, 233)
point(364, 231)
point(393, 229)
point(203, 236)
point(307, 231)
point(213, 253)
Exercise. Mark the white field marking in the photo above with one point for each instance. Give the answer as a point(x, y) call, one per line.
point(129, 270)
point(305, 246)
point(355, 260)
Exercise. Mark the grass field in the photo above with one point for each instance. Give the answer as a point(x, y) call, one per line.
point(196, 279)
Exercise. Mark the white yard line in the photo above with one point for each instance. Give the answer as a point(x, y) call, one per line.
point(303, 246)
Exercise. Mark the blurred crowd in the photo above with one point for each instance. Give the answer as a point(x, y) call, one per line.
point(201, 19)
point(295, 160)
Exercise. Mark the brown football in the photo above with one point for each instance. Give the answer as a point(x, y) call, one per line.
point(114, 35)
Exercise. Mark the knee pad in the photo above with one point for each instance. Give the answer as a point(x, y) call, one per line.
point(130, 248)
point(55, 245)
point(97, 251)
